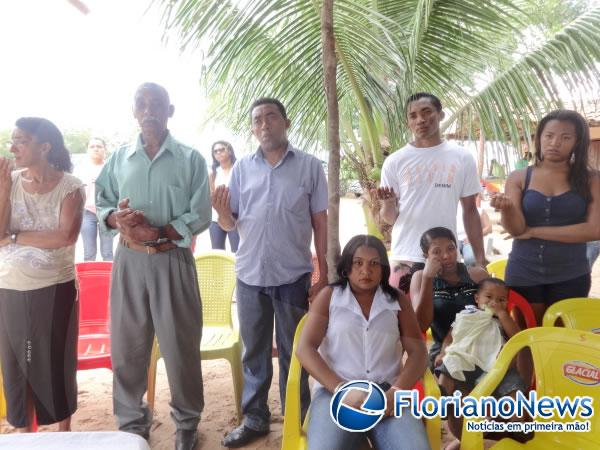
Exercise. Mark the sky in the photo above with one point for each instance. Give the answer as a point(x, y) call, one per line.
point(81, 71)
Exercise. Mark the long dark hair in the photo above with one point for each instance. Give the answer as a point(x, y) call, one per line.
point(215, 163)
point(45, 131)
point(579, 170)
point(344, 266)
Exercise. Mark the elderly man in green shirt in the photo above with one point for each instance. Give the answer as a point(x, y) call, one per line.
point(155, 193)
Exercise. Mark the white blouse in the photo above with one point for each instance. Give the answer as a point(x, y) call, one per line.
point(363, 349)
point(22, 267)
point(221, 179)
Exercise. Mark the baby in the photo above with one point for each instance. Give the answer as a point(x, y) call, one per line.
point(477, 336)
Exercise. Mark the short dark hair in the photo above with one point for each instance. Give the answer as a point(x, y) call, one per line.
point(268, 101)
point(215, 163)
point(154, 87)
point(45, 131)
point(96, 138)
point(491, 280)
point(344, 266)
point(419, 95)
point(434, 233)
point(579, 171)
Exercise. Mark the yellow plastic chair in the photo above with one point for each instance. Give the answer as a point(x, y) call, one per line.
point(294, 432)
point(220, 339)
point(2, 399)
point(581, 313)
point(497, 268)
point(557, 353)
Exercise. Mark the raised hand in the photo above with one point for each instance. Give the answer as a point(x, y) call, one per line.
point(433, 266)
point(6, 166)
point(385, 194)
point(220, 199)
point(501, 202)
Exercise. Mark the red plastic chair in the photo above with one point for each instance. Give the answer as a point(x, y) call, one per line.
point(516, 300)
point(93, 349)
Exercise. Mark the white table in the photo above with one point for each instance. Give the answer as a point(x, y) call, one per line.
point(96, 440)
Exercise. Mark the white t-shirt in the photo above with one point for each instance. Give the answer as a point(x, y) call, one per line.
point(429, 182)
point(221, 178)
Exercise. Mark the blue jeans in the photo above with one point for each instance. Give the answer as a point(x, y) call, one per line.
point(466, 251)
point(402, 433)
point(89, 233)
point(256, 308)
point(592, 250)
point(218, 235)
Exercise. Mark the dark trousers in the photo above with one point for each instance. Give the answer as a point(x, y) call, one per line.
point(257, 306)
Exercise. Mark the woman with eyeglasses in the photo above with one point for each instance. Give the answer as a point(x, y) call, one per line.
point(41, 208)
point(223, 158)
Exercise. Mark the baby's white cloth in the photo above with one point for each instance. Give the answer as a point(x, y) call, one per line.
point(476, 340)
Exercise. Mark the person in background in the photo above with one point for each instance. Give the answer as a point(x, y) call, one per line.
point(90, 231)
point(41, 207)
point(592, 252)
point(223, 158)
point(359, 328)
point(464, 246)
point(552, 209)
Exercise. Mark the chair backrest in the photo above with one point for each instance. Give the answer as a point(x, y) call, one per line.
point(94, 290)
point(216, 279)
point(293, 437)
point(566, 363)
point(516, 300)
point(496, 269)
point(579, 313)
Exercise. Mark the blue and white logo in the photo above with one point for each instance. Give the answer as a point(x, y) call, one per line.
point(367, 416)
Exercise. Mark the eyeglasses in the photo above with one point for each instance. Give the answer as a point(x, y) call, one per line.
point(219, 150)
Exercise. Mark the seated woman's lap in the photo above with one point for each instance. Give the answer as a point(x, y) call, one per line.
point(391, 433)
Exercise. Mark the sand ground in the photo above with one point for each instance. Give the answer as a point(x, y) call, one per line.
point(95, 386)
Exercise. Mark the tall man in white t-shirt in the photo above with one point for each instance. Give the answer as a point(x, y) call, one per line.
point(422, 184)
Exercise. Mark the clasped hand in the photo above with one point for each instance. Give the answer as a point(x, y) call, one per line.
point(133, 224)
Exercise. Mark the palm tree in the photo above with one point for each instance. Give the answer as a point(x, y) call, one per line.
point(468, 52)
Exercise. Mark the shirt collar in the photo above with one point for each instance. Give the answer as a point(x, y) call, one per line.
point(167, 145)
point(289, 150)
point(381, 303)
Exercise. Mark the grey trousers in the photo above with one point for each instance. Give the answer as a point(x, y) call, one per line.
point(155, 293)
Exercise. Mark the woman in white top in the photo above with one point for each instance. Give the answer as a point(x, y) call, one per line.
point(358, 329)
point(90, 231)
point(223, 158)
point(40, 215)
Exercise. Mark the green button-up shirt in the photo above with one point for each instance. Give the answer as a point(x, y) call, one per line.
point(170, 189)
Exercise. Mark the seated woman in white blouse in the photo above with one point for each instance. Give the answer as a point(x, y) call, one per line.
point(358, 329)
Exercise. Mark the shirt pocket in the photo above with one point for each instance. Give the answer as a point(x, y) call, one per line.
point(296, 200)
point(178, 201)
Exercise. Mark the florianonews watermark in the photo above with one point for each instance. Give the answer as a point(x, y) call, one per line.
point(374, 405)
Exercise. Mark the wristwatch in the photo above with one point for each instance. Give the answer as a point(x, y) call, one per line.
point(162, 238)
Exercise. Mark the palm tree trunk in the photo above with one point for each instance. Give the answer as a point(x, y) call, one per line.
point(480, 154)
point(333, 136)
